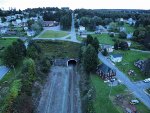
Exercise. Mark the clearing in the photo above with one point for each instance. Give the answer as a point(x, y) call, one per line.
point(59, 49)
point(104, 39)
point(53, 34)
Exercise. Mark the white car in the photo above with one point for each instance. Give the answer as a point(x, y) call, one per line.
point(134, 102)
point(146, 80)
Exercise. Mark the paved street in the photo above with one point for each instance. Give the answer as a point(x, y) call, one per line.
point(3, 71)
point(136, 89)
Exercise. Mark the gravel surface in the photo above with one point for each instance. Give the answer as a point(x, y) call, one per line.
point(61, 92)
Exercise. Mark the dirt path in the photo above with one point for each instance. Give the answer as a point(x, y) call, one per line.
point(61, 92)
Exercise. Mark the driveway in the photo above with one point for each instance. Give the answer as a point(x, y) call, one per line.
point(3, 71)
point(136, 89)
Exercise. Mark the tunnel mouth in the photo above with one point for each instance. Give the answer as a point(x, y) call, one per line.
point(72, 62)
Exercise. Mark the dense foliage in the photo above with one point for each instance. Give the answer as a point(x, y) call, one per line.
point(14, 53)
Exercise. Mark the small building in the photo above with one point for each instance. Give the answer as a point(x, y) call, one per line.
point(109, 48)
point(49, 23)
point(105, 72)
point(121, 20)
point(11, 32)
point(100, 28)
point(131, 21)
point(18, 21)
point(116, 57)
point(129, 43)
point(30, 33)
point(81, 29)
point(122, 29)
point(3, 30)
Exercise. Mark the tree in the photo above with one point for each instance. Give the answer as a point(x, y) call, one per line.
point(89, 39)
point(95, 44)
point(122, 35)
point(123, 45)
point(85, 21)
point(90, 59)
point(113, 26)
point(105, 52)
point(3, 19)
point(30, 22)
point(116, 45)
point(23, 104)
point(28, 75)
point(14, 53)
point(147, 67)
point(36, 27)
point(65, 21)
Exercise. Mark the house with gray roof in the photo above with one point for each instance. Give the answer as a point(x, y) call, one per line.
point(116, 57)
point(105, 72)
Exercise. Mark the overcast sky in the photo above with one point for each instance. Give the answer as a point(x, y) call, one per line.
point(73, 4)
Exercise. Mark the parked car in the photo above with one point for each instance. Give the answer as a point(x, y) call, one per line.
point(106, 81)
point(134, 102)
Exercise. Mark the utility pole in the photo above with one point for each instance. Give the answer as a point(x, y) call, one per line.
point(111, 81)
point(14, 70)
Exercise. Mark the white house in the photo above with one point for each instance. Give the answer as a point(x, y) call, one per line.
point(121, 20)
point(81, 29)
point(109, 48)
point(3, 30)
point(5, 24)
point(122, 29)
point(30, 33)
point(18, 21)
point(100, 28)
point(131, 21)
point(116, 57)
point(129, 43)
point(24, 20)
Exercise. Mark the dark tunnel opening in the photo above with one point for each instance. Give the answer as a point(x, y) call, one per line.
point(72, 62)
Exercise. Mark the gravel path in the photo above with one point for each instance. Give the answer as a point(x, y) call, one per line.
point(61, 92)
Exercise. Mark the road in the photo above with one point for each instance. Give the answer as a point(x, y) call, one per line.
point(61, 92)
point(3, 71)
point(135, 88)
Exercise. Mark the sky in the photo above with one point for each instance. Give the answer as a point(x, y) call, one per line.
point(75, 4)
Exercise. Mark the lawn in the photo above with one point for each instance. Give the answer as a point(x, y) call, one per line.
point(129, 28)
point(104, 104)
point(60, 49)
point(53, 34)
point(79, 38)
point(104, 38)
point(4, 42)
point(129, 57)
